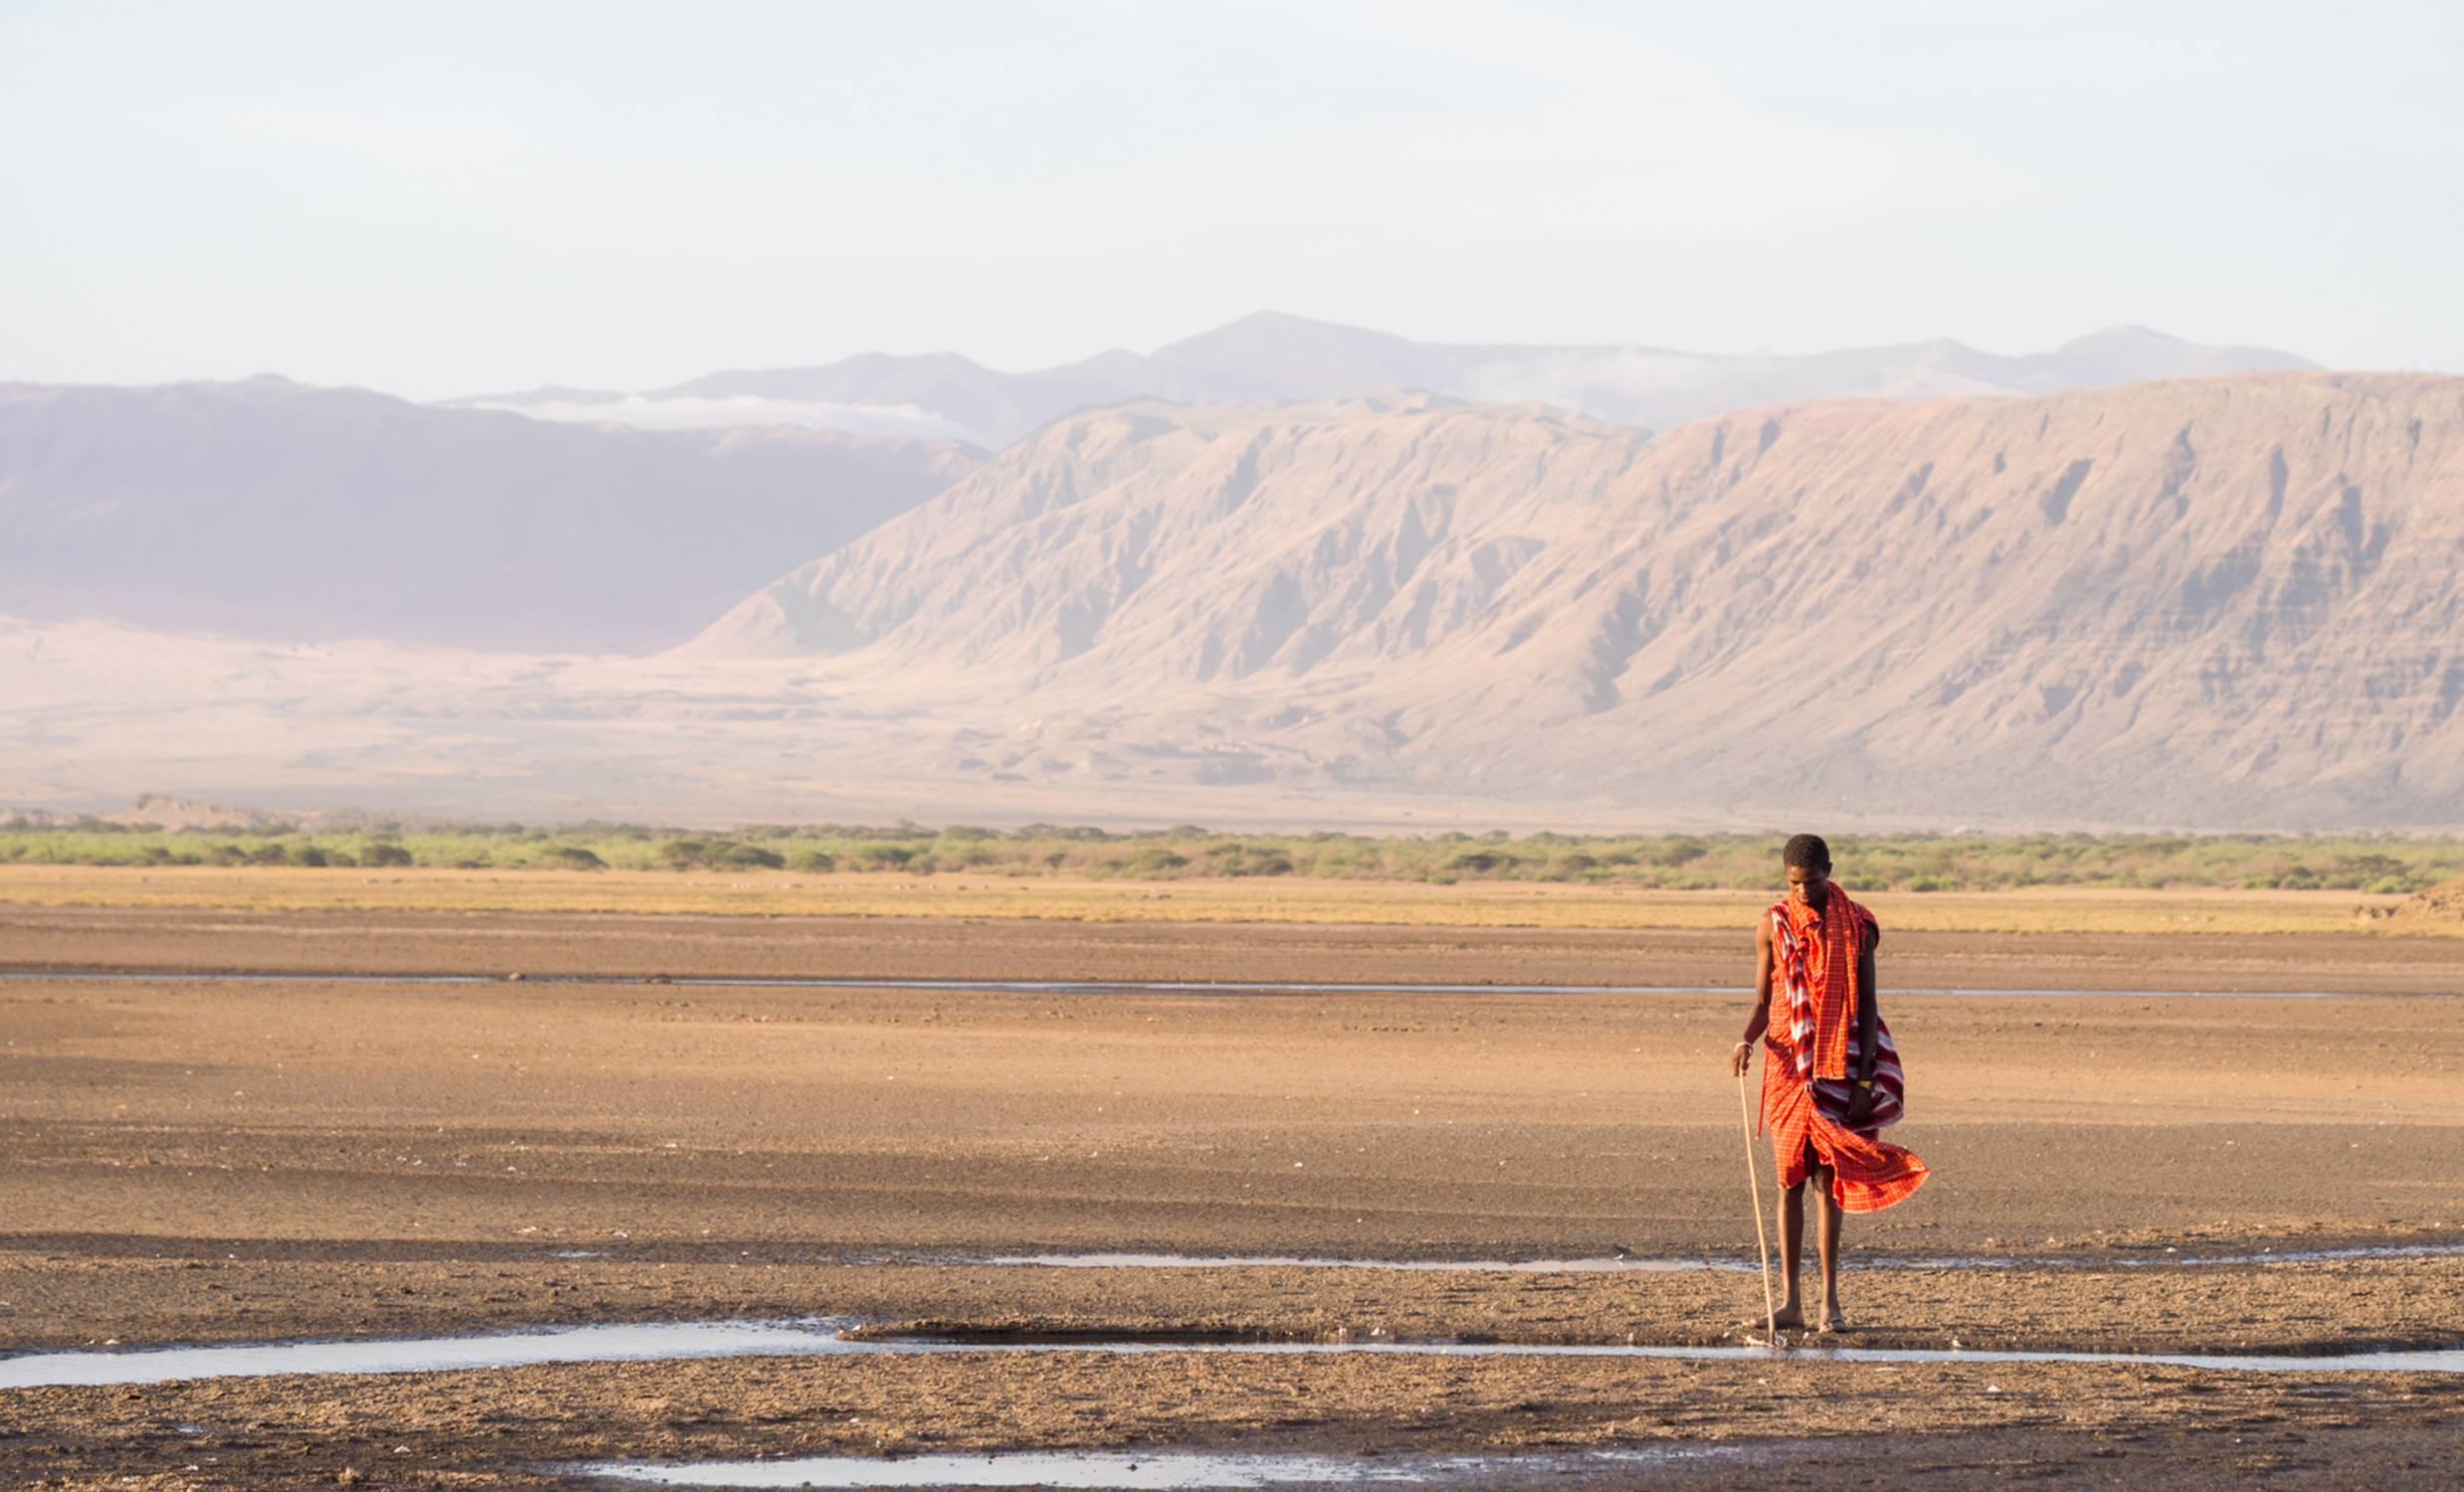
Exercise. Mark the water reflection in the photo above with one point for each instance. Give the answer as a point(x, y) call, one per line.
point(815, 1336)
point(1131, 1469)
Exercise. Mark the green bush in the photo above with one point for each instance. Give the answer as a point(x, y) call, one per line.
point(874, 857)
point(2383, 863)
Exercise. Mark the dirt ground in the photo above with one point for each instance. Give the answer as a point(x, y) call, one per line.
point(249, 1160)
point(976, 895)
point(628, 946)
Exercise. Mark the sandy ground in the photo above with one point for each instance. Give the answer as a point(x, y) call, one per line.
point(1249, 899)
point(343, 940)
point(253, 1160)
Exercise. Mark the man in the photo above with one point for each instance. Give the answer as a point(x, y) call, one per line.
point(1830, 1075)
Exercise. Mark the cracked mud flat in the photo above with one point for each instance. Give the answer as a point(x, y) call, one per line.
point(231, 1163)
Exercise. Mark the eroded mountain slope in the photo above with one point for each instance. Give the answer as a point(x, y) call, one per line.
point(2230, 599)
point(1197, 544)
point(2221, 599)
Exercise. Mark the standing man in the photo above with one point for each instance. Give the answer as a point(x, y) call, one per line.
point(1830, 1075)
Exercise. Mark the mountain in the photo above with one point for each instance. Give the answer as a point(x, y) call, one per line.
point(2227, 602)
point(1271, 356)
point(1656, 388)
point(2220, 601)
point(265, 508)
point(1188, 544)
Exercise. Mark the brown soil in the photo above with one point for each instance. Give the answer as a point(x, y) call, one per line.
point(1968, 1425)
point(2441, 905)
point(74, 1292)
point(551, 944)
point(255, 1160)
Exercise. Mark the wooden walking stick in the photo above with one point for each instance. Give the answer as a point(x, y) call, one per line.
point(1762, 1235)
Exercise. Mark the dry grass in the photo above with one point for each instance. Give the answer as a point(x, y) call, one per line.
point(1282, 899)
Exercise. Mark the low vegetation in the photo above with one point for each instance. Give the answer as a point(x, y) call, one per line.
point(1734, 862)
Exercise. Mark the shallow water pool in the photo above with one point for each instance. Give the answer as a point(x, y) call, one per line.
point(1132, 1469)
point(817, 1335)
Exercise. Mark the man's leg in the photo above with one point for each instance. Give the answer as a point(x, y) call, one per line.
point(1792, 1249)
point(1826, 1241)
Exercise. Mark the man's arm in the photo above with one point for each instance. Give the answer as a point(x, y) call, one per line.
point(1868, 1037)
point(1741, 1060)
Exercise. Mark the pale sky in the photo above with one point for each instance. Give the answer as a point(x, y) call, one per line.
point(437, 198)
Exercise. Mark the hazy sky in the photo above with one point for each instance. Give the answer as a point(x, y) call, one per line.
point(438, 197)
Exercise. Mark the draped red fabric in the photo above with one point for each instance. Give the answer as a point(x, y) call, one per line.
point(1812, 1049)
point(1817, 953)
point(1867, 1173)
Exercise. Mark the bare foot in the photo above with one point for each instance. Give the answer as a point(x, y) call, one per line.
point(1834, 1319)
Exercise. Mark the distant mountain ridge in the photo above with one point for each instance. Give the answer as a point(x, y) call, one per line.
point(1158, 544)
point(2231, 600)
point(270, 509)
point(1272, 356)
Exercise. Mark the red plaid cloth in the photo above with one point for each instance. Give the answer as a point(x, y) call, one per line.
point(1867, 1175)
point(1816, 954)
point(1812, 1048)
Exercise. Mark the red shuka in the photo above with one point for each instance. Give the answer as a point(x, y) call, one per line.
point(1812, 1048)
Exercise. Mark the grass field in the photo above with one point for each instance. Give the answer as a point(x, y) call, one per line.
point(767, 894)
point(1750, 863)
